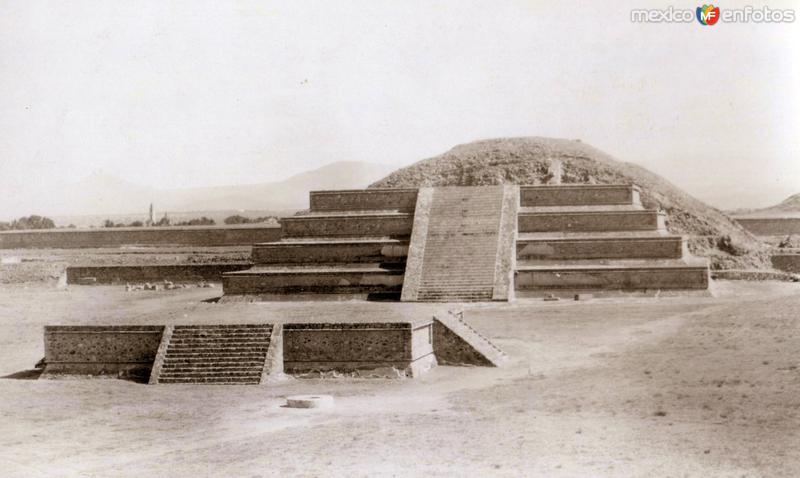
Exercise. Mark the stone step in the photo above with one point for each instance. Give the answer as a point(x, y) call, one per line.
point(364, 200)
point(455, 297)
point(465, 286)
point(212, 362)
point(213, 338)
point(213, 380)
point(332, 225)
point(201, 341)
point(256, 329)
point(690, 273)
point(333, 279)
point(204, 373)
point(579, 195)
point(598, 208)
point(330, 251)
point(181, 355)
point(634, 220)
point(224, 332)
point(213, 366)
point(640, 245)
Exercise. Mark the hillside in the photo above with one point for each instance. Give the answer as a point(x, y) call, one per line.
point(789, 207)
point(711, 233)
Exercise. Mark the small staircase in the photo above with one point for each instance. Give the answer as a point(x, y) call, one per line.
point(461, 244)
point(216, 354)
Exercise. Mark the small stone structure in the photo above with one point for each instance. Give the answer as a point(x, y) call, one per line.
point(257, 353)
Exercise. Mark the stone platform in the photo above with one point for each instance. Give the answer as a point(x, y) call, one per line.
point(462, 244)
point(359, 340)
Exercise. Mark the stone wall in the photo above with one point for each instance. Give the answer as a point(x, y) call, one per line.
point(364, 200)
point(139, 236)
point(101, 350)
point(591, 221)
point(352, 347)
point(776, 226)
point(565, 195)
point(174, 273)
point(353, 225)
point(786, 262)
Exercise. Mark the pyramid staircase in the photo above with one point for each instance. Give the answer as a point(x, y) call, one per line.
point(350, 244)
point(214, 354)
point(460, 247)
point(598, 238)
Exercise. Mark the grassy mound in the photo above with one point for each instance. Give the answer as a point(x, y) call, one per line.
point(711, 233)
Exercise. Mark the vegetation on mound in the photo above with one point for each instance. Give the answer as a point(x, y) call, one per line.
point(711, 233)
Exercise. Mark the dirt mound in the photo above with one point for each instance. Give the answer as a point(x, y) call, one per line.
point(711, 233)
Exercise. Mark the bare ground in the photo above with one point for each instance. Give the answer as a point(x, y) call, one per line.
point(634, 387)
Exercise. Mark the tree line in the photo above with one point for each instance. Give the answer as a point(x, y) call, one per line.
point(42, 222)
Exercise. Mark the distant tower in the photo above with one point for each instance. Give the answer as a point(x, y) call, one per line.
point(152, 219)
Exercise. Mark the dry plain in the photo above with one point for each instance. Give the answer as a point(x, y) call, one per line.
point(692, 386)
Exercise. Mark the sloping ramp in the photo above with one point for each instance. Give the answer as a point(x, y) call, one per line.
point(456, 343)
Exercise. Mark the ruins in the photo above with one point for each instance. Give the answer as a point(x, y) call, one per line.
point(462, 244)
point(432, 244)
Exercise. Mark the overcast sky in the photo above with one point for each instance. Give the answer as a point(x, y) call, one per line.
point(179, 94)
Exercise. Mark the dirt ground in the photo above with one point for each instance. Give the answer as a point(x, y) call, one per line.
point(700, 386)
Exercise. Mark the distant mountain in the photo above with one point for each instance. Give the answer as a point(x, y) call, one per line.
point(789, 207)
point(103, 194)
point(291, 193)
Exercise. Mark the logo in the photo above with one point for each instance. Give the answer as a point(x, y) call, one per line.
point(707, 14)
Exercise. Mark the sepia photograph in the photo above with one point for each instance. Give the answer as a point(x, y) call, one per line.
point(399, 238)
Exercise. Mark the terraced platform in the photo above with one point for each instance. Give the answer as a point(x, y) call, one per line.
point(462, 244)
point(331, 250)
point(356, 280)
point(623, 275)
point(579, 195)
point(350, 244)
point(598, 239)
point(599, 245)
point(592, 220)
point(353, 224)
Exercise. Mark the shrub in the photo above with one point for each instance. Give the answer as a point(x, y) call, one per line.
point(237, 219)
point(33, 222)
point(198, 221)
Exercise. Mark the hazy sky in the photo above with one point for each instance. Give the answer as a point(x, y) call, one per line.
point(179, 94)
